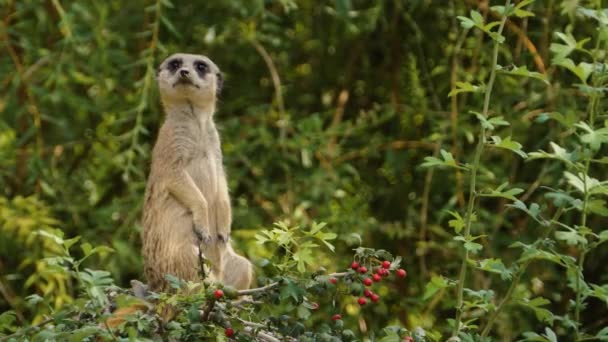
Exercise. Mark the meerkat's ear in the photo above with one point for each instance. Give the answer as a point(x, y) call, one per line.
point(220, 83)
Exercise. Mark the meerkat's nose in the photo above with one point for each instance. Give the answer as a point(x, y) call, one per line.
point(184, 73)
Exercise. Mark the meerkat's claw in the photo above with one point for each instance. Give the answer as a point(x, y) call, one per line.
point(222, 238)
point(202, 234)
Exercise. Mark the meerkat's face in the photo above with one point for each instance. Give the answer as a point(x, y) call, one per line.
point(193, 78)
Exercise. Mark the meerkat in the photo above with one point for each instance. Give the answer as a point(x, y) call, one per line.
point(187, 206)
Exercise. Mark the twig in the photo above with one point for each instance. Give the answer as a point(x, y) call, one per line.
point(473, 176)
point(278, 89)
point(256, 290)
point(263, 336)
point(207, 310)
point(275, 284)
point(454, 114)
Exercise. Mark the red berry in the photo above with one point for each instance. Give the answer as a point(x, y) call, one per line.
point(367, 282)
point(362, 270)
point(315, 306)
point(333, 280)
point(368, 293)
point(401, 273)
point(375, 298)
point(354, 265)
point(407, 338)
point(336, 317)
point(386, 264)
point(385, 273)
point(218, 294)
point(229, 332)
point(376, 277)
point(362, 301)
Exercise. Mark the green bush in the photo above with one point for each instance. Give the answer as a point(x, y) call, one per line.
point(467, 139)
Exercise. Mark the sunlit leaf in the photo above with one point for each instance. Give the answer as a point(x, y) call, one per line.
point(508, 144)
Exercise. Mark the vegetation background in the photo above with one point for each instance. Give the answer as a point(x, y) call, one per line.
point(328, 112)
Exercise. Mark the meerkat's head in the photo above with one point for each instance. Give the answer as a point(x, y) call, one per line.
point(189, 78)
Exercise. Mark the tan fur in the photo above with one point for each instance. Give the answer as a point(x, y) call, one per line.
point(238, 271)
point(186, 205)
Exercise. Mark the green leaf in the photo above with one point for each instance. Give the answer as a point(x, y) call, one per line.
point(33, 300)
point(457, 223)
point(7, 320)
point(572, 237)
point(581, 182)
point(532, 253)
point(55, 237)
point(562, 51)
point(490, 123)
point(603, 236)
point(465, 87)
point(598, 207)
point(86, 248)
point(499, 38)
point(477, 18)
point(522, 71)
point(533, 211)
point(593, 138)
point(303, 312)
point(81, 334)
point(550, 334)
point(292, 290)
point(562, 199)
point(466, 22)
point(446, 161)
point(473, 247)
point(500, 192)
point(508, 144)
point(494, 265)
point(437, 283)
point(581, 70)
point(70, 242)
point(602, 335)
point(391, 336)
point(303, 257)
point(469, 245)
point(600, 292)
point(559, 153)
point(173, 281)
point(536, 304)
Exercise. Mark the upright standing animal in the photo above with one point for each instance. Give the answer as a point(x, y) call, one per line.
point(187, 206)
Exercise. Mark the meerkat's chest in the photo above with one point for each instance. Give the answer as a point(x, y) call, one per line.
point(205, 168)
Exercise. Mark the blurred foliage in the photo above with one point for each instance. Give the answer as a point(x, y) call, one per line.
point(330, 111)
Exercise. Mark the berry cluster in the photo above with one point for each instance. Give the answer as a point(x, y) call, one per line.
point(382, 271)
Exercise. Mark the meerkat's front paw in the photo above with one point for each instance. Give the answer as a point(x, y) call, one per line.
point(223, 237)
point(202, 232)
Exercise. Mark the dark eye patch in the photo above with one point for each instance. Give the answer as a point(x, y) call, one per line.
point(174, 64)
point(201, 67)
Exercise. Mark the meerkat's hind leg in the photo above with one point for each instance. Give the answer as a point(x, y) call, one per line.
point(214, 254)
point(238, 271)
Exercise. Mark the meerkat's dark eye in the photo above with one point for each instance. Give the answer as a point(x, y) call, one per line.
point(201, 67)
point(174, 64)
